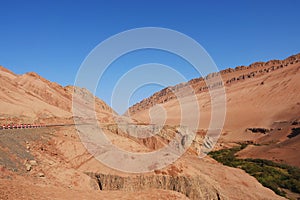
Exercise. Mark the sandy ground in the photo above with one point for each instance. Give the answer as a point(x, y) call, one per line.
point(63, 161)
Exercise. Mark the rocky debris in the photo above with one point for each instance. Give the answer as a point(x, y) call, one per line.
point(28, 167)
point(41, 174)
point(33, 162)
point(259, 130)
point(51, 162)
point(29, 164)
point(13, 149)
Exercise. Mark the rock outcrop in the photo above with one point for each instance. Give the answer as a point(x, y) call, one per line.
point(192, 187)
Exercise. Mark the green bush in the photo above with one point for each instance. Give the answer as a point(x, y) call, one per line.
point(270, 174)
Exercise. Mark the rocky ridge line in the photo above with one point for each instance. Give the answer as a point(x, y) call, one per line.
point(213, 81)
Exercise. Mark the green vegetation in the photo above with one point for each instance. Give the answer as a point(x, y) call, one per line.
point(270, 174)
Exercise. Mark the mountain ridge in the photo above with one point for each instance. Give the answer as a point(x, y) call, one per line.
point(62, 161)
point(40, 100)
point(262, 96)
point(273, 64)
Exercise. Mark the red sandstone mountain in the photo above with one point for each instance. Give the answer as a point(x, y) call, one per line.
point(64, 166)
point(29, 98)
point(262, 95)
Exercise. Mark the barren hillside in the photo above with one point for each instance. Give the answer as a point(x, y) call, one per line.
point(257, 95)
point(263, 95)
point(38, 162)
point(35, 163)
point(29, 98)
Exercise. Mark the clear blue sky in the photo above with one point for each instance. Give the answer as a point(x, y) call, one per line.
point(53, 38)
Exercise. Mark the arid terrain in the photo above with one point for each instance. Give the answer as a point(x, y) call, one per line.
point(51, 162)
point(263, 95)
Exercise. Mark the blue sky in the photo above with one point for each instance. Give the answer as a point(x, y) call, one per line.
point(53, 38)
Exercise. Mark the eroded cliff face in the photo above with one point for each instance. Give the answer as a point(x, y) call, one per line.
point(193, 187)
point(152, 136)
